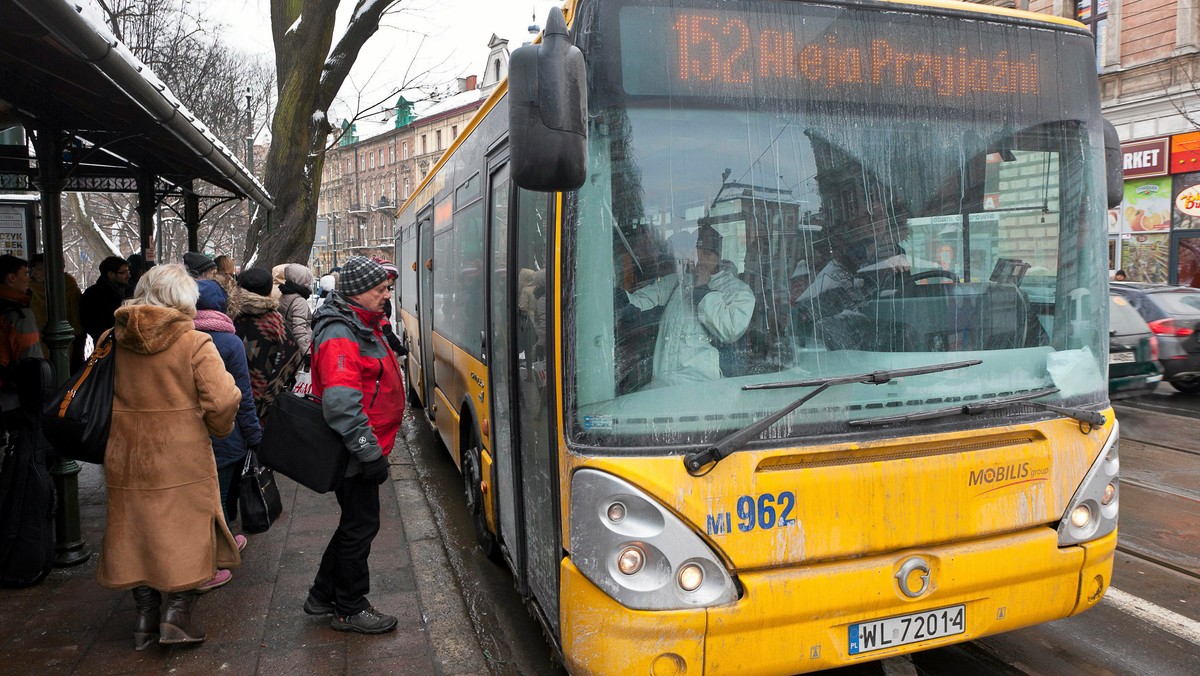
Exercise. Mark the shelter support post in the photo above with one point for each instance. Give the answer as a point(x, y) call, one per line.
point(69, 548)
point(146, 205)
point(191, 215)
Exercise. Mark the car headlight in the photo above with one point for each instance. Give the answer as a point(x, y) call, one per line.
point(638, 552)
point(1092, 512)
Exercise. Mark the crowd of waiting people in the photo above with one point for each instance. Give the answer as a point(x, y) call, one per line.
point(202, 352)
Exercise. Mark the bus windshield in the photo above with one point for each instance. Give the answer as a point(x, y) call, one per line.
point(785, 191)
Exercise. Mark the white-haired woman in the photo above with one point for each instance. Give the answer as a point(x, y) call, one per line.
point(165, 532)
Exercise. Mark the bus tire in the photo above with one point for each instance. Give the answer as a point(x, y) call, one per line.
point(474, 495)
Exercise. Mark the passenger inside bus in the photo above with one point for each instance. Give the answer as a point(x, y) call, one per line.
point(703, 310)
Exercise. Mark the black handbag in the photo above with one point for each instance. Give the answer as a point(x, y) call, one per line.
point(258, 497)
point(299, 444)
point(77, 417)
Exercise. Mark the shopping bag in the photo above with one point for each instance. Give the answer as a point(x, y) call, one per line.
point(258, 497)
point(303, 384)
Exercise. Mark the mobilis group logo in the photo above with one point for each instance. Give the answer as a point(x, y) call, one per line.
point(997, 477)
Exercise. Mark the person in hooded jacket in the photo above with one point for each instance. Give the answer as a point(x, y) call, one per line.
point(230, 451)
point(703, 311)
point(293, 304)
point(164, 531)
point(362, 399)
point(271, 354)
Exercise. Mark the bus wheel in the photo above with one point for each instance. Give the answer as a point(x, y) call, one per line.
point(471, 485)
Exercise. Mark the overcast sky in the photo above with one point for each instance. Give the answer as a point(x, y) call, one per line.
point(449, 36)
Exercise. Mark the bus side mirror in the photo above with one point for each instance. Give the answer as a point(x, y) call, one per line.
point(547, 111)
point(1114, 166)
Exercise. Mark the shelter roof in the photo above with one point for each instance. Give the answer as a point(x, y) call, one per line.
point(61, 66)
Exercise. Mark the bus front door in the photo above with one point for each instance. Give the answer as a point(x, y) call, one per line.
point(501, 305)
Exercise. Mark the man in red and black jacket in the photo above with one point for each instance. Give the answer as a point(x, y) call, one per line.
point(358, 381)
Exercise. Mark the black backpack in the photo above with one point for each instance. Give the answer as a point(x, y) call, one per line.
point(27, 497)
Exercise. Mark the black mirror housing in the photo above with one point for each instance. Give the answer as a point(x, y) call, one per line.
point(1114, 166)
point(547, 111)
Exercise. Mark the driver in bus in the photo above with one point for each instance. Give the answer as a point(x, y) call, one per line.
point(703, 310)
point(867, 258)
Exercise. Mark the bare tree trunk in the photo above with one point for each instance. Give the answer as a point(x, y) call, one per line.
point(308, 81)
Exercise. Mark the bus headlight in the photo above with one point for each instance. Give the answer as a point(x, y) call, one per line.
point(1092, 512)
point(631, 560)
point(691, 576)
point(638, 552)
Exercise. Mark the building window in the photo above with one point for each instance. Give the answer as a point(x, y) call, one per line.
point(424, 144)
point(381, 157)
point(453, 132)
point(404, 149)
point(392, 154)
point(438, 136)
point(1094, 15)
point(407, 189)
point(372, 160)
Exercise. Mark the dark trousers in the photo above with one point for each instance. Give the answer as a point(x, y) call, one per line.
point(344, 578)
point(227, 477)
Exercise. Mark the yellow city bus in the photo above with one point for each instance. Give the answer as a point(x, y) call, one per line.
point(771, 336)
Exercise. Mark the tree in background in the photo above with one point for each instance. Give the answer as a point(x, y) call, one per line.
point(309, 75)
point(185, 50)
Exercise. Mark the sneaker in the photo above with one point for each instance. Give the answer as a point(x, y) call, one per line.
point(369, 621)
point(221, 579)
point(240, 541)
point(313, 606)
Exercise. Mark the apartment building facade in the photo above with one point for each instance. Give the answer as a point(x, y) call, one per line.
point(378, 163)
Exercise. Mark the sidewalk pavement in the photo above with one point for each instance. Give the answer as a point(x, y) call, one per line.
point(68, 624)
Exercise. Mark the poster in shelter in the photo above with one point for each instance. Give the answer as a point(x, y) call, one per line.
point(12, 230)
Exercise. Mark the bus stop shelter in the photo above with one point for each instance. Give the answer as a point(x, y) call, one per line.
point(99, 121)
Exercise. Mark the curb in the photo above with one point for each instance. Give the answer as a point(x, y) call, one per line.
point(451, 636)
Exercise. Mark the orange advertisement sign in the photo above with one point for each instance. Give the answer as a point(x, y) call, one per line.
point(1185, 153)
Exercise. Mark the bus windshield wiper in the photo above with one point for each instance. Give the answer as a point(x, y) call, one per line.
point(699, 463)
point(1082, 415)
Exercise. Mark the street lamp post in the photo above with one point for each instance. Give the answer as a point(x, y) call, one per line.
point(249, 157)
point(334, 238)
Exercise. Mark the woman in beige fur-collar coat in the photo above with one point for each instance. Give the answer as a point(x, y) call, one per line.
point(165, 531)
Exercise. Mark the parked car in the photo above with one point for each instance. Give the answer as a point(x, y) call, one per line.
point(1133, 366)
point(1173, 315)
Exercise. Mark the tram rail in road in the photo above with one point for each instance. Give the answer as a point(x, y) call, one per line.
point(1160, 511)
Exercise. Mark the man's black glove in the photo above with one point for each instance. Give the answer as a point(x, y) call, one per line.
point(394, 342)
point(376, 470)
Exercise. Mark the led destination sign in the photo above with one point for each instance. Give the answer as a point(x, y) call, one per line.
point(802, 51)
point(728, 50)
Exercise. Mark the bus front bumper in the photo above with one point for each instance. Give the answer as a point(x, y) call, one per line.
point(792, 620)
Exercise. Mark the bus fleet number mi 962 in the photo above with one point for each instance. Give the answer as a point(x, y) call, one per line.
point(763, 512)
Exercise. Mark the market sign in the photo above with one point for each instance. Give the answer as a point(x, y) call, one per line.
point(1145, 158)
point(1188, 201)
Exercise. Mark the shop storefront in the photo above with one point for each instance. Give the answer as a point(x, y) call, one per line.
point(1154, 235)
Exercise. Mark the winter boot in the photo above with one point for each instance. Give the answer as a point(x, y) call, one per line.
point(145, 629)
point(176, 626)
